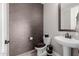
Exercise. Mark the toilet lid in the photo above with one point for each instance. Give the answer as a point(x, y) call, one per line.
point(40, 45)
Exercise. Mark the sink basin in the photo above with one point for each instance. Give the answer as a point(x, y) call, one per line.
point(67, 44)
point(73, 43)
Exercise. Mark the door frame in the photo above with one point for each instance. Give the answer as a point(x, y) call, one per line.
point(5, 28)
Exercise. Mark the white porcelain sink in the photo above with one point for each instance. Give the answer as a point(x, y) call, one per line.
point(73, 43)
point(67, 44)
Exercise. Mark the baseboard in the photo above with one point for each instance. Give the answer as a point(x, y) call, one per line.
point(26, 53)
point(44, 54)
point(56, 54)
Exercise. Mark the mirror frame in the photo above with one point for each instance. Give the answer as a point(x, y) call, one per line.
point(59, 20)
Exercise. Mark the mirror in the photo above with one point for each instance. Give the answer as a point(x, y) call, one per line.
point(68, 16)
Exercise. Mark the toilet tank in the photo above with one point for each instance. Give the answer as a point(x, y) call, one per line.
point(47, 40)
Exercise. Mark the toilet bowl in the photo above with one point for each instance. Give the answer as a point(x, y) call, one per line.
point(41, 49)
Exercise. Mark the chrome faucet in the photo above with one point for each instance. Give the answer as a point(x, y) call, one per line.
point(67, 35)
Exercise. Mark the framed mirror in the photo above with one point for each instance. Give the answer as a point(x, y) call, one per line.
point(68, 16)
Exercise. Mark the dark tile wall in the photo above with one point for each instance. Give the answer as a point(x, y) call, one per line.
point(25, 20)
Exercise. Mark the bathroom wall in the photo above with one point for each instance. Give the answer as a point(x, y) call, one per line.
point(25, 21)
point(51, 26)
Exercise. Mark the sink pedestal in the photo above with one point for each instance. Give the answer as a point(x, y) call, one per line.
point(66, 51)
point(67, 44)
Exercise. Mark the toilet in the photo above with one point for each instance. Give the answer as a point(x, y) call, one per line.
point(41, 50)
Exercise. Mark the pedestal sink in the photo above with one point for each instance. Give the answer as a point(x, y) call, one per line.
point(67, 44)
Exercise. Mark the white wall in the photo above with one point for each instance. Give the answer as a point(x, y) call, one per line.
point(0, 27)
